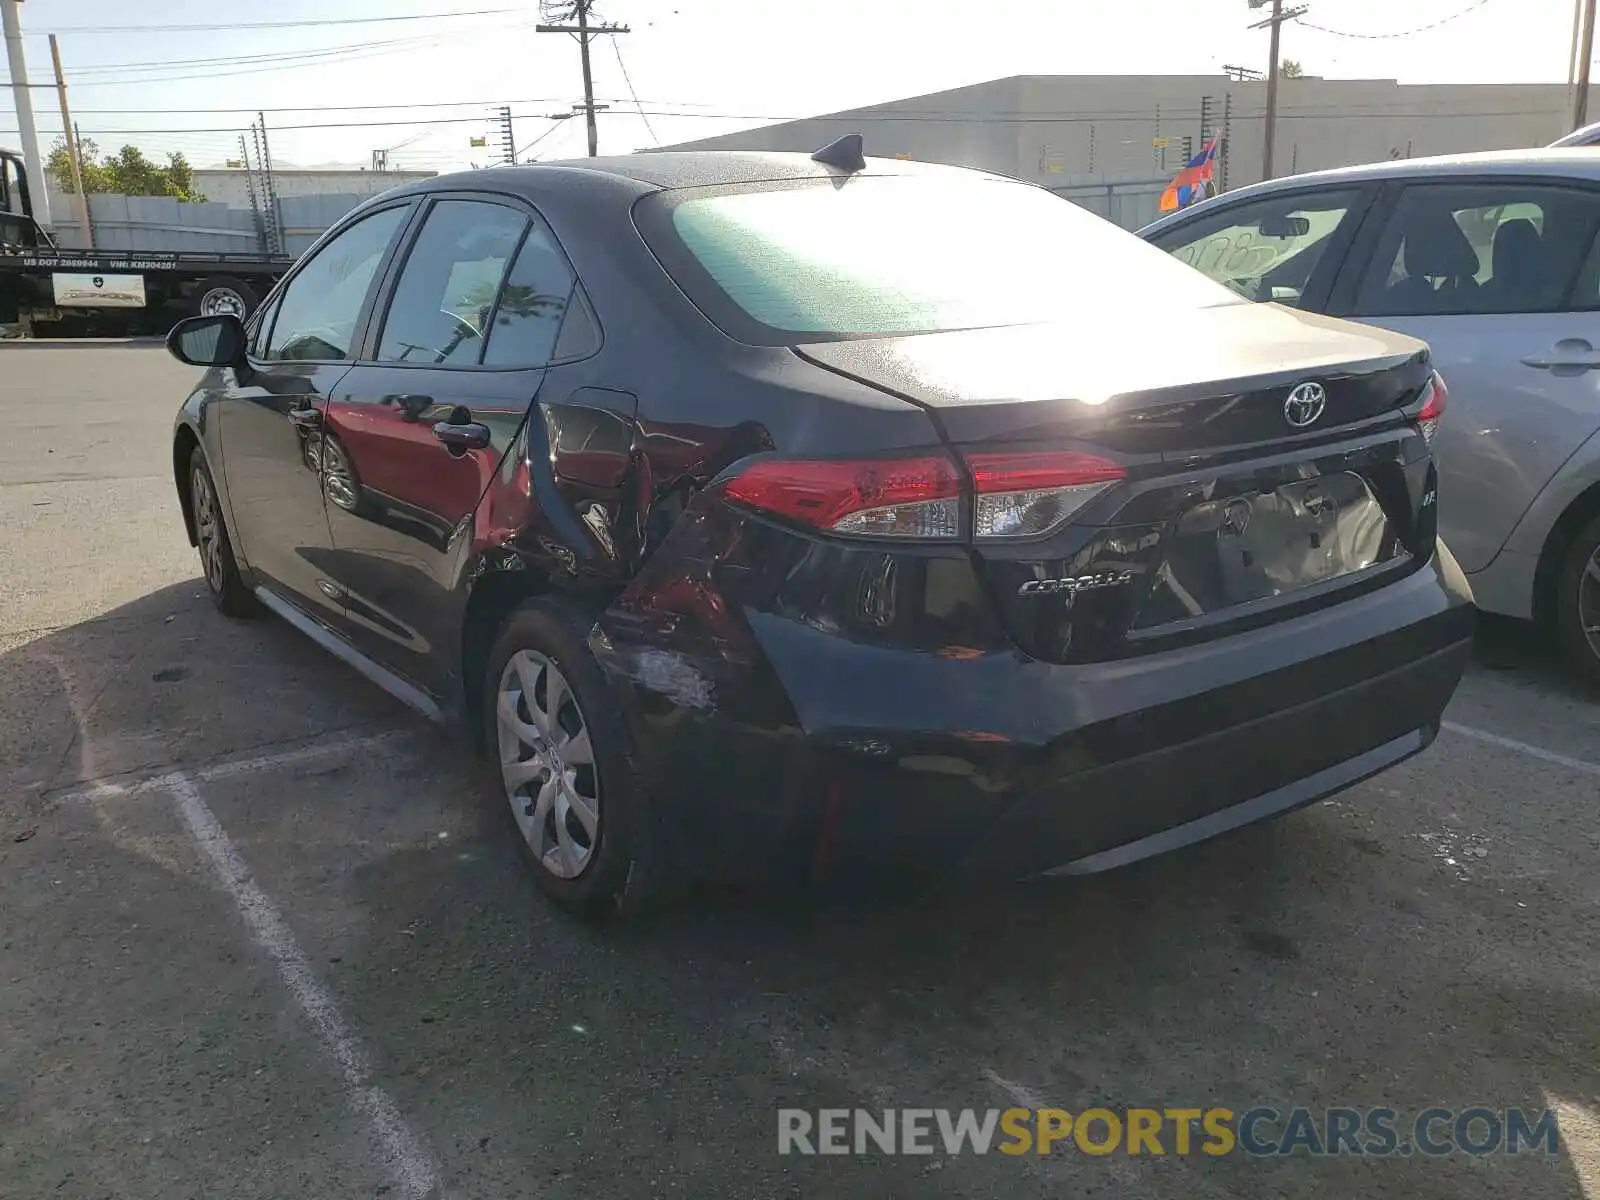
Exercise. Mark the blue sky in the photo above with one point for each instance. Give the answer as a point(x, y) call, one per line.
point(699, 67)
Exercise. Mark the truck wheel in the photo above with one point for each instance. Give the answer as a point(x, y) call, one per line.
point(223, 295)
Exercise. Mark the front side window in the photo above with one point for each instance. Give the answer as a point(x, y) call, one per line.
point(317, 315)
point(447, 289)
point(877, 255)
point(1265, 250)
point(1457, 249)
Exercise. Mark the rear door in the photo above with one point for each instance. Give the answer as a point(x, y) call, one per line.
point(1500, 277)
point(417, 429)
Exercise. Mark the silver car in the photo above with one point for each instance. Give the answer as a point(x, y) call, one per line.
point(1491, 259)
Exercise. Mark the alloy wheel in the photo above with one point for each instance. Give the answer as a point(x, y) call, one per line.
point(1589, 602)
point(338, 476)
point(208, 529)
point(547, 764)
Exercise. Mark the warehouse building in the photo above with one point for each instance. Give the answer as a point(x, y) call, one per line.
point(1111, 142)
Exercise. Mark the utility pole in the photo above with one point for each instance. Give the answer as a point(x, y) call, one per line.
point(1580, 101)
point(562, 14)
point(11, 24)
point(70, 132)
point(1275, 22)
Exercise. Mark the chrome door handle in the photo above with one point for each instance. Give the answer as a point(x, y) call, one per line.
point(1585, 363)
point(1568, 356)
point(471, 436)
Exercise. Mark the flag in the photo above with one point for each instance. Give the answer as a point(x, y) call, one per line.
point(1194, 182)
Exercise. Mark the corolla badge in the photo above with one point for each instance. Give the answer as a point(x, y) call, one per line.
point(1305, 405)
point(1079, 583)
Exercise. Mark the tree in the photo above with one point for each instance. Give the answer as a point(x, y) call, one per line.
point(1290, 69)
point(127, 172)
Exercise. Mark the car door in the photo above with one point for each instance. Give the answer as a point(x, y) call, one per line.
point(1285, 247)
point(417, 429)
point(1499, 277)
point(272, 411)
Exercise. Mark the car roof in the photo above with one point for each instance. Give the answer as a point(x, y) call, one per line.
point(1565, 163)
point(1587, 135)
point(637, 174)
point(1570, 162)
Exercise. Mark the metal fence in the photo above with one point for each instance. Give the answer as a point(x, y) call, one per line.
point(1130, 203)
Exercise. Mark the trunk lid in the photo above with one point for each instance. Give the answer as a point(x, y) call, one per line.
point(1200, 379)
point(1271, 464)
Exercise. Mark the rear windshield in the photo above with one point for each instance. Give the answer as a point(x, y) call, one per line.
point(906, 254)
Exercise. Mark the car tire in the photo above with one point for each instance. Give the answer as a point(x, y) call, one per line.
point(224, 294)
point(223, 581)
point(1578, 601)
point(612, 870)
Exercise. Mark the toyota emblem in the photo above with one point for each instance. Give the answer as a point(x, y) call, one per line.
point(1305, 405)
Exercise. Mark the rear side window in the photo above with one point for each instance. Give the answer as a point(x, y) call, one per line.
point(532, 304)
point(1482, 248)
point(876, 255)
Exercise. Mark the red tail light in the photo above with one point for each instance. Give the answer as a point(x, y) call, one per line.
point(900, 497)
point(1023, 494)
point(1435, 396)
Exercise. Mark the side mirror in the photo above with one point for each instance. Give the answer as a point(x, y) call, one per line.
point(1284, 227)
point(208, 341)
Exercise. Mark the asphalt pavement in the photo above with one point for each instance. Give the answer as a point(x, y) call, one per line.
point(264, 933)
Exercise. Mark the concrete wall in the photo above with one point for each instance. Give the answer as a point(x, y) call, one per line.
point(1061, 129)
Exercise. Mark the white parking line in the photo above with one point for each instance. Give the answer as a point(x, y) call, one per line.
point(1550, 756)
point(408, 1160)
point(231, 767)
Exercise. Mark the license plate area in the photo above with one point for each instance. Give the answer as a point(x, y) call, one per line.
point(1244, 549)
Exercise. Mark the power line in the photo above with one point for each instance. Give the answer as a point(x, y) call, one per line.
point(316, 125)
point(160, 64)
point(623, 67)
point(327, 108)
point(554, 125)
point(96, 29)
point(1329, 112)
point(320, 60)
point(285, 60)
point(1404, 33)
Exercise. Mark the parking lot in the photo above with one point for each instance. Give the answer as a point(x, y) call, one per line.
point(263, 932)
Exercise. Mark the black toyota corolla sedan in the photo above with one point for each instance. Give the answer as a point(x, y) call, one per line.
point(778, 516)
